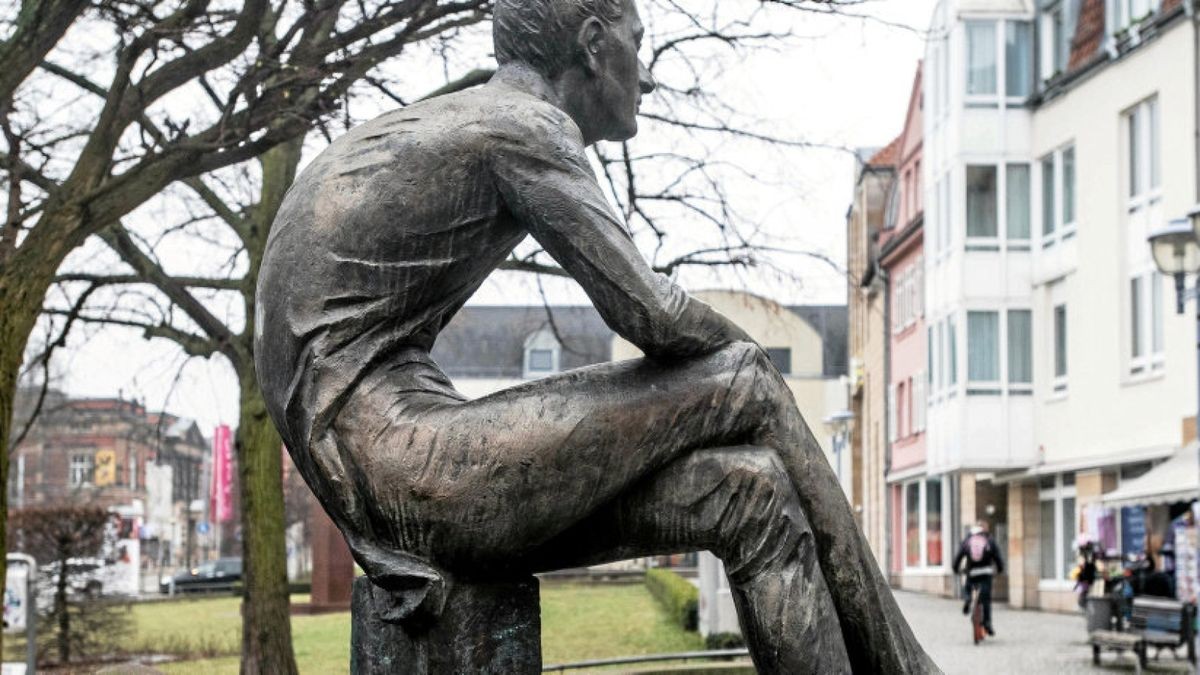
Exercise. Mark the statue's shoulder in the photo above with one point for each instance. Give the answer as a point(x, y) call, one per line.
point(513, 114)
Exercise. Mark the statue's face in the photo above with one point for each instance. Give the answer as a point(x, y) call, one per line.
point(621, 79)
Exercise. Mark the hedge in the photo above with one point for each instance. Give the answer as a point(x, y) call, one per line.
point(677, 595)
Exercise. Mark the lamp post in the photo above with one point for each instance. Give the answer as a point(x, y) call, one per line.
point(1176, 252)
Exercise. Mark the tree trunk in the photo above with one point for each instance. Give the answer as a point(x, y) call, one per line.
point(61, 613)
point(266, 624)
point(20, 305)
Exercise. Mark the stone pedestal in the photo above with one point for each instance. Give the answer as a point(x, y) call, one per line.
point(332, 564)
point(492, 629)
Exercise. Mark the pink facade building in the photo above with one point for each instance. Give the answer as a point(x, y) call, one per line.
point(915, 510)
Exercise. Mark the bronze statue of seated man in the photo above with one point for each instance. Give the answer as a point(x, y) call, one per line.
point(697, 446)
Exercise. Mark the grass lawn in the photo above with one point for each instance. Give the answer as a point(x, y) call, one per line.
point(578, 622)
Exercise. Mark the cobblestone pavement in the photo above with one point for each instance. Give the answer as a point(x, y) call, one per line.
point(1026, 642)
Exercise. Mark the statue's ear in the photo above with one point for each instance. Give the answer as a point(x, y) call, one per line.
point(590, 41)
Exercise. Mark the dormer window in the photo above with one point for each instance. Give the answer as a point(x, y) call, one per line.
point(542, 354)
point(1125, 14)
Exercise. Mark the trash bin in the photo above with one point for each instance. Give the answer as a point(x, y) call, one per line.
point(1101, 613)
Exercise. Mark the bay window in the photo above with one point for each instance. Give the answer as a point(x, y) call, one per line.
point(1016, 204)
point(983, 348)
point(999, 62)
point(1018, 59)
point(981, 58)
point(1020, 350)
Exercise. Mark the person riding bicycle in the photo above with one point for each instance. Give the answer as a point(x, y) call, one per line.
point(983, 562)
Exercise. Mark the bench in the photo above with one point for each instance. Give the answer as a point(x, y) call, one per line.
point(1119, 642)
point(1163, 624)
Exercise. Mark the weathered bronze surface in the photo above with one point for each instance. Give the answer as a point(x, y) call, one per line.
point(698, 446)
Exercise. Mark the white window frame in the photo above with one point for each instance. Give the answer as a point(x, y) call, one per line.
point(81, 469)
point(1122, 15)
point(1056, 495)
point(1061, 229)
point(1060, 384)
point(1017, 387)
point(1001, 96)
point(922, 484)
point(1149, 324)
point(987, 386)
point(541, 340)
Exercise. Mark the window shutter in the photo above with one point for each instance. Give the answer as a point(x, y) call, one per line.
point(920, 287)
point(892, 416)
point(919, 402)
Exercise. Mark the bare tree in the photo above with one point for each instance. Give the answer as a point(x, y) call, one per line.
point(141, 94)
point(252, 82)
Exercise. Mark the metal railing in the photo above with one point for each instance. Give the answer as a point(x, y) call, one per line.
point(648, 658)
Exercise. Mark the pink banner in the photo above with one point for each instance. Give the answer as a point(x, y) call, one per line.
point(221, 493)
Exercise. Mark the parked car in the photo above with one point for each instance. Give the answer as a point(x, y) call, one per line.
point(222, 575)
point(88, 577)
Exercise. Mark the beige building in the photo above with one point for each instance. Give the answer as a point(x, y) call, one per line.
point(798, 349)
point(867, 304)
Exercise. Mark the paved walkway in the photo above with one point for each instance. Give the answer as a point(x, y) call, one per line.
point(1026, 642)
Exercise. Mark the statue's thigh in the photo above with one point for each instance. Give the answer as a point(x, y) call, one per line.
point(502, 474)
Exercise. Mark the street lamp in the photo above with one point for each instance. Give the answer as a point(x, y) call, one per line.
point(1176, 251)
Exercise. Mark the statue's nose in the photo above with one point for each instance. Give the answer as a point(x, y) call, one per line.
point(645, 79)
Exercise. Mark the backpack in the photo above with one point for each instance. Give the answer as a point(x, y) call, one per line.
point(977, 545)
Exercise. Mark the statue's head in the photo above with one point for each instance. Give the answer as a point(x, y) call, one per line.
point(588, 50)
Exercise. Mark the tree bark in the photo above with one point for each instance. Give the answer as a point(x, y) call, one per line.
point(266, 624)
point(21, 295)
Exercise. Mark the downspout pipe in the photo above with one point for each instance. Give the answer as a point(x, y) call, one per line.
point(886, 280)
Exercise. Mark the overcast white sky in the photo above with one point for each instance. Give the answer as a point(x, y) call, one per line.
point(847, 88)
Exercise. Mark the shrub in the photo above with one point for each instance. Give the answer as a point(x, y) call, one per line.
point(724, 641)
point(677, 595)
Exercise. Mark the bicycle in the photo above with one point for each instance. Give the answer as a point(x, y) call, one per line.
point(978, 632)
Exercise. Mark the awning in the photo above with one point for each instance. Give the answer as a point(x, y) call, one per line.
point(1175, 480)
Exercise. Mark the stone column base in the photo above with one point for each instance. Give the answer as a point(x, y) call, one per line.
point(486, 628)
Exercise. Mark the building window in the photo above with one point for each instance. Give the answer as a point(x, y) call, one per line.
point(933, 522)
point(999, 52)
point(951, 354)
point(981, 202)
point(81, 469)
point(1020, 349)
point(981, 58)
point(1058, 195)
point(912, 525)
point(1058, 527)
point(1018, 59)
point(542, 354)
point(1057, 31)
point(983, 347)
point(1017, 203)
point(1060, 348)
point(1146, 323)
point(782, 358)
point(1125, 13)
point(1142, 126)
point(541, 360)
point(923, 536)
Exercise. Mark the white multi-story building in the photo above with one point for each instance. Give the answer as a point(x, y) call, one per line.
point(1056, 137)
